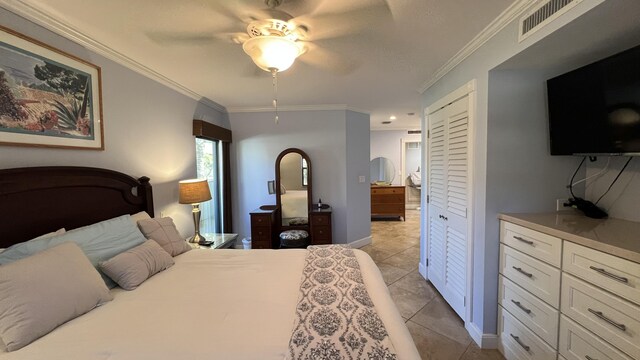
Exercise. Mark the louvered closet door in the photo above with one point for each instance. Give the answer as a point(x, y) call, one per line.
point(448, 189)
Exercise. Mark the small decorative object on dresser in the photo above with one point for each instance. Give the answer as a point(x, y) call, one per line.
point(217, 241)
point(569, 287)
point(194, 192)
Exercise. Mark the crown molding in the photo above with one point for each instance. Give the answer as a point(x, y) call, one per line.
point(511, 13)
point(37, 16)
point(296, 108)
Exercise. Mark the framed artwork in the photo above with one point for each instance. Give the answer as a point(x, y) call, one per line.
point(47, 97)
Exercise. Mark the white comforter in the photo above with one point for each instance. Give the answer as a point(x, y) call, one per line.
point(212, 304)
point(294, 204)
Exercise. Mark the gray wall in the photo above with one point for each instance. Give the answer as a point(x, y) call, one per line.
point(147, 128)
point(622, 200)
point(257, 141)
point(358, 194)
point(499, 130)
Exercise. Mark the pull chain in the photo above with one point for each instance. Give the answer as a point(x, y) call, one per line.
point(274, 74)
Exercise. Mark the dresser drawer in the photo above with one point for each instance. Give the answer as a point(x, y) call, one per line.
point(577, 343)
point(392, 209)
point(323, 219)
point(388, 190)
point(518, 342)
point(539, 278)
point(261, 233)
point(321, 232)
point(607, 316)
point(387, 199)
point(261, 219)
point(541, 318)
point(541, 246)
point(620, 276)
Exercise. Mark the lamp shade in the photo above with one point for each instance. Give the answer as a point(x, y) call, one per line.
point(194, 191)
point(272, 52)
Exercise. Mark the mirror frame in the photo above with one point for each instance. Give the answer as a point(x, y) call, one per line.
point(309, 178)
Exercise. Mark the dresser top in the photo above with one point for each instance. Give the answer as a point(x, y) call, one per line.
point(612, 236)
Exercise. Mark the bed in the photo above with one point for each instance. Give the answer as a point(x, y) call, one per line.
point(212, 304)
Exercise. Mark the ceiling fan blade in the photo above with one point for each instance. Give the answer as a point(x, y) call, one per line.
point(339, 24)
point(190, 38)
point(328, 60)
point(307, 7)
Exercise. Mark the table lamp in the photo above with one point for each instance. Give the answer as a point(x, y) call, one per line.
point(194, 191)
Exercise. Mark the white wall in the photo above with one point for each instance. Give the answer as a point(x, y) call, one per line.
point(622, 200)
point(147, 128)
point(257, 141)
point(500, 135)
point(388, 143)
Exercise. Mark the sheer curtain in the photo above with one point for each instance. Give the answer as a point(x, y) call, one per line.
point(209, 166)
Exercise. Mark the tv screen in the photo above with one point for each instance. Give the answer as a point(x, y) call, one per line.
point(596, 109)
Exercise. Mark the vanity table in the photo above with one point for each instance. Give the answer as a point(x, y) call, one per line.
point(294, 209)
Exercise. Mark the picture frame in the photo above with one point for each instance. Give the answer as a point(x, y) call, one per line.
point(48, 98)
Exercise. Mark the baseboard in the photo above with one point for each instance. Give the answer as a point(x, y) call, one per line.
point(361, 242)
point(422, 269)
point(484, 341)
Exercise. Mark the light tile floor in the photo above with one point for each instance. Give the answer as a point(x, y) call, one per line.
point(438, 332)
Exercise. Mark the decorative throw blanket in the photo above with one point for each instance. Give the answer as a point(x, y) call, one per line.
point(336, 318)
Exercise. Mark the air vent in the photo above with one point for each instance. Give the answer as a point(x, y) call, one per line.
point(386, 122)
point(542, 14)
point(413, 145)
point(414, 132)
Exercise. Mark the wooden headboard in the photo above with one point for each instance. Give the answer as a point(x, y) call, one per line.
point(38, 200)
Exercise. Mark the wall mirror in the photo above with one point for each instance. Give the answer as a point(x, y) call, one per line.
point(382, 171)
point(293, 187)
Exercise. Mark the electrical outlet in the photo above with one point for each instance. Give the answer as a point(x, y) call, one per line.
point(361, 179)
point(560, 204)
point(161, 214)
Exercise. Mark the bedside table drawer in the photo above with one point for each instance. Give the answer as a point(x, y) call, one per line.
point(541, 246)
point(577, 343)
point(611, 318)
point(540, 279)
point(620, 276)
point(541, 318)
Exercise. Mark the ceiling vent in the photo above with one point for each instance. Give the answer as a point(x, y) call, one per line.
point(542, 14)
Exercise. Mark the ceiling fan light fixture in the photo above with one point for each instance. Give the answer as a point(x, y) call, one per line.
point(272, 52)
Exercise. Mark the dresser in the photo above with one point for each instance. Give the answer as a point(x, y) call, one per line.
point(569, 287)
point(320, 226)
point(263, 228)
point(387, 201)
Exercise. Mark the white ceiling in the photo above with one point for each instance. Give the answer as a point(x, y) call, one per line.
point(390, 48)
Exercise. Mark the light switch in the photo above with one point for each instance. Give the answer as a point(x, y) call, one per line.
point(361, 179)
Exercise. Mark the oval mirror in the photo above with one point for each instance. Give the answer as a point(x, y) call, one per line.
point(293, 187)
point(382, 171)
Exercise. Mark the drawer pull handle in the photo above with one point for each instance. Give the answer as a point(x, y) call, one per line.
point(589, 357)
point(603, 317)
point(604, 272)
point(518, 304)
point(522, 271)
point(517, 339)
point(528, 242)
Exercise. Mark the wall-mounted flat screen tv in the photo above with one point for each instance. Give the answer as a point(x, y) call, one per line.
point(596, 109)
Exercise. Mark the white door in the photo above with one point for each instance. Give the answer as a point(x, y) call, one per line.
point(447, 202)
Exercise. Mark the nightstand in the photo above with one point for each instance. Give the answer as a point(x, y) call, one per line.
point(220, 241)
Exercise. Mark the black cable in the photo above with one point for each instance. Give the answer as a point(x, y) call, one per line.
point(616, 179)
point(574, 176)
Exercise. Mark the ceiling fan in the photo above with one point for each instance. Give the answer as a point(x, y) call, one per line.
point(310, 25)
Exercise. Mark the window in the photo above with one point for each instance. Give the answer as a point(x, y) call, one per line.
point(209, 166)
point(213, 162)
point(305, 172)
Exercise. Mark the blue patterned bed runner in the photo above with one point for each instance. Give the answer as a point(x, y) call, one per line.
point(335, 317)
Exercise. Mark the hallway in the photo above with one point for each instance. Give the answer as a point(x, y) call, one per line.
point(438, 332)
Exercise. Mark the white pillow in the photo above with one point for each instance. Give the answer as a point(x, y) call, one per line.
point(51, 234)
point(45, 290)
point(142, 215)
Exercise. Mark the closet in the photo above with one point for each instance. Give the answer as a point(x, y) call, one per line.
point(448, 197)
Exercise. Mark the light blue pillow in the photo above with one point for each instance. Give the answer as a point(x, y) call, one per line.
point(100, 242)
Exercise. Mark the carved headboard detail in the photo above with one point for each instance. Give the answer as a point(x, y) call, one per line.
point(38, 200)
